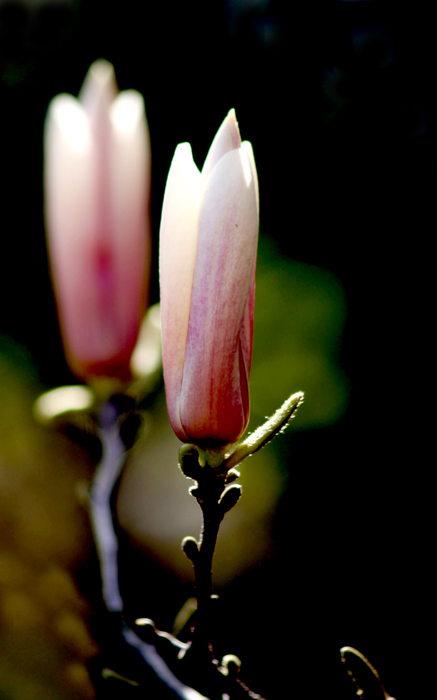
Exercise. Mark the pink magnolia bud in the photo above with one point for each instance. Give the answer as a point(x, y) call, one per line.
point(209, 233)
point(97, 193)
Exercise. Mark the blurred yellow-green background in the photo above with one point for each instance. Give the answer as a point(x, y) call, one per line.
point(331, 540)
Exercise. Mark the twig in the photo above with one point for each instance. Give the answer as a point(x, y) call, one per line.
point(105, 478)
point(107, 473)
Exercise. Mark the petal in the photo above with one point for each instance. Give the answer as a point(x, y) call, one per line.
point(249, 150)
point(247, 330)
point(99, 89)
point(178, 244)
point(129, 210)
point(226, 139)
point(246, 335)
point(95, 261)
point(97, 94)
point(214, 398)
point(69, 195)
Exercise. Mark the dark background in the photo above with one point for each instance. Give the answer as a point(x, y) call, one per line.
point(339, 101)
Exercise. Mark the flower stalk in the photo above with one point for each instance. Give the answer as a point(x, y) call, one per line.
point(102, 486)
point(105, 479)
point(209, 493)
point(213, 470)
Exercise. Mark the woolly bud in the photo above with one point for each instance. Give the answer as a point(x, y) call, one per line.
point(230, 498)
point(190, 547)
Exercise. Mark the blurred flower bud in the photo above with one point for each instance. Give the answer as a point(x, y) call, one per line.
point(97, 193)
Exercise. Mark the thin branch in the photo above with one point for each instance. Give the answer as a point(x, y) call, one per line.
point(349, 652)
point(154, 660)
point(105, 478)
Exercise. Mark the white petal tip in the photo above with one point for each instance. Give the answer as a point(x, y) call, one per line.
point(99, 86)
point(70, 119)
point(101, 72)
point(127, 111)
point(61, 401)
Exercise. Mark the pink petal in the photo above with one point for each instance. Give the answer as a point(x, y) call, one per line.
point(97, 301)
point(247, 330)
point(70, 192)
point(129, 210)
point(246, 335)
point(214, 398)
point(178, 244)
point(99, 90)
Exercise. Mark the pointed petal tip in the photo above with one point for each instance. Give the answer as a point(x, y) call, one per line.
point(231, 121)
point(184, 164)
point(101, 72)
point(226, 139)
point(183, 154)
point(99, 87)
point(184, 148)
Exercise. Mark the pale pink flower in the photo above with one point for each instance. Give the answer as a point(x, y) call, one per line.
point(97, 195)
point(209, 232)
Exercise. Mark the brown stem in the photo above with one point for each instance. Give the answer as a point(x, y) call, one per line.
point(209, 489)
point(203, 573)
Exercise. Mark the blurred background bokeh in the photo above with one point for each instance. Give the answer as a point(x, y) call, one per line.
point(331, 543)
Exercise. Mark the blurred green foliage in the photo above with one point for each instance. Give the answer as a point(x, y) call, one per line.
point(299, 315)
point(44, 637)
point(300, 311)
